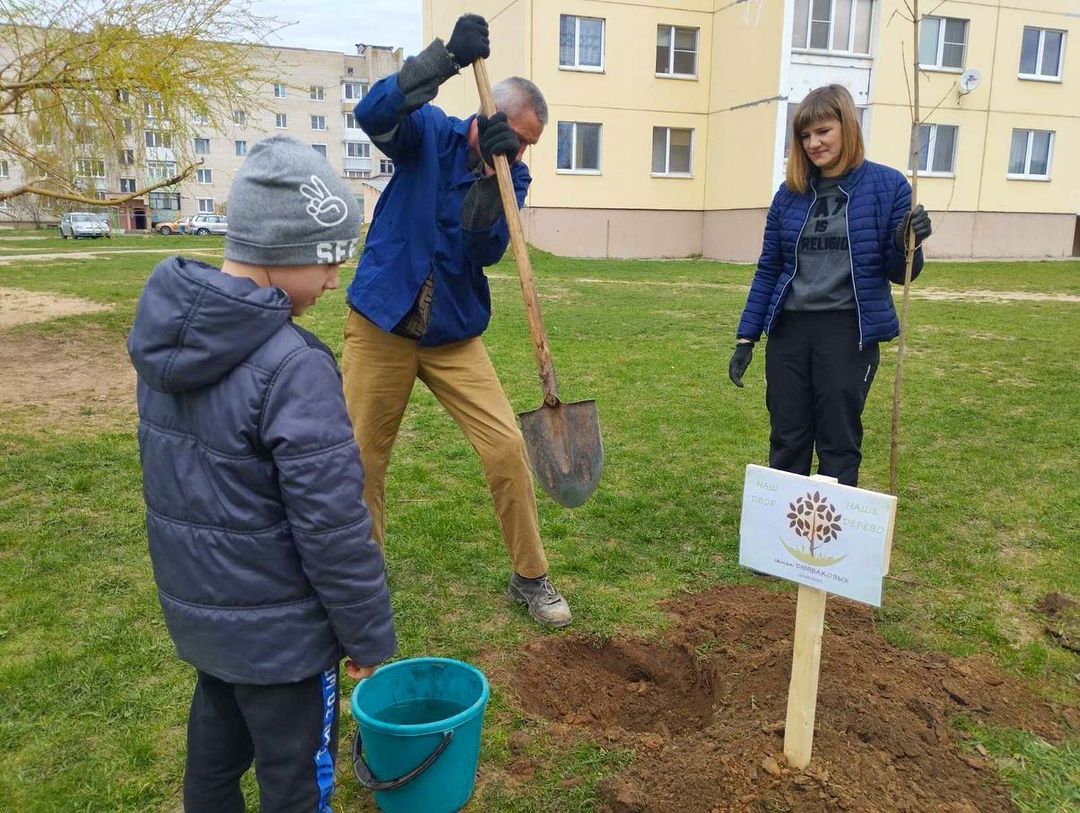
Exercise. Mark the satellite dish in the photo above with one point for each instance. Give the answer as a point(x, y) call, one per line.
point(970, 80)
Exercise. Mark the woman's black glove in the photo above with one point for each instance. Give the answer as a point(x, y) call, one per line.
point(469, 41)
point(496, 138)
point(740, 360)
point(919, 222)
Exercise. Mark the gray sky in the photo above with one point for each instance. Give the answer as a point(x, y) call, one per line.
point(337, 25)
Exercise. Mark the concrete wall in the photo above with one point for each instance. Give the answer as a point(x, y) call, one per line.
point(620, 233)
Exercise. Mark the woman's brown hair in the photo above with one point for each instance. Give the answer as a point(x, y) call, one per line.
point(821, 104)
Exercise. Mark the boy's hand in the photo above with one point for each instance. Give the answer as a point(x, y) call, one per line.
point(358, 672)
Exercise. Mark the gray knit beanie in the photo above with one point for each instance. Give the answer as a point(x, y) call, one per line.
point(287, 206)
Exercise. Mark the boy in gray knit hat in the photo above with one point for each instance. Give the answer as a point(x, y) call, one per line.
point(259, 536)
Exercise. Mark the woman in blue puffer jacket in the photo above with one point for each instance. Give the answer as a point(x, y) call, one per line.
point(834, 241)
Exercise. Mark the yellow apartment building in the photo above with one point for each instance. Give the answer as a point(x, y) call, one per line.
point(668, 119)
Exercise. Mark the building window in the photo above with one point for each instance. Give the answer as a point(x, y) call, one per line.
point(676, 51)
point(204, 176)
point(279, 90)
point(1041, 52)
point(386, 166)
point(1031, 153)
point(581, 43)
point(90, 167)
point(200, 117)
point(942, 41)
point(164, 200)
point(353, 91)
point(156, 138)
point(578, 147)
point(833, 25)
point(202, 146)
point(160, 170)
point(5, 168)
point(320, 149)
point(357, 149)
point(281, 121)
point(127, 126)
point(241, 147)
point(358, 173)
point(349, 120)
point(318, 122)
point(206, 206)
point(937, 149)
point(239, 117)
point(127, 185)
point(671, 151)
point(127, 158)
point(317, 93)
point(123, 96)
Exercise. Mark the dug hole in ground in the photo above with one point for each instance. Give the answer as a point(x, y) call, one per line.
point(703, 709)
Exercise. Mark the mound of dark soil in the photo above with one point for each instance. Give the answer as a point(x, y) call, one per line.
point(704, 710)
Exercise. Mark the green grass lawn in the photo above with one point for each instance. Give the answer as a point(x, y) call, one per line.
point(94, 701)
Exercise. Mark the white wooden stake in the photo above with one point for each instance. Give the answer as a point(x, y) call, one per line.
point(805, 670)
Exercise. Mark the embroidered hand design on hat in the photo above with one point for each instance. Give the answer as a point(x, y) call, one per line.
point(326, 208)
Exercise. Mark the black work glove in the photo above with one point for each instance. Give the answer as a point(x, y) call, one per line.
point(469, 41)
point(919, 222)
point(496, 138)
point(740, 360)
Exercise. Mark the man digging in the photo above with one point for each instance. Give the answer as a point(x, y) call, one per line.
point(420, 301)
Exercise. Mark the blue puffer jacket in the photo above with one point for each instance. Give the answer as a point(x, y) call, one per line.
point(878, 199)
point(259, 537)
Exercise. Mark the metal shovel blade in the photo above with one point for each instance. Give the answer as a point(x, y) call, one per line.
point(565, 450)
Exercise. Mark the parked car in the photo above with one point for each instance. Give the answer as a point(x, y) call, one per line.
point(84, 224)
point(168, 227)
point(207, 224)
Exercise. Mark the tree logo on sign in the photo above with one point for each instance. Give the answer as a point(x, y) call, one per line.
point(814, 519)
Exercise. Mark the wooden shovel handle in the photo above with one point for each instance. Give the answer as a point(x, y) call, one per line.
point(521, 251)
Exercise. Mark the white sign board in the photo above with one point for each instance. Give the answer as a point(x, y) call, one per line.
point(813, 532)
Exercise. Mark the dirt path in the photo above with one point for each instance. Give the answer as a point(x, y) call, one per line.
point(937, 294)
point(703, 710)
point(19, 307)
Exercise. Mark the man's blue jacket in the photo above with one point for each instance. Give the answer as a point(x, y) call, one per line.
point(416, 229)
point(879, 198)
point(259, 536)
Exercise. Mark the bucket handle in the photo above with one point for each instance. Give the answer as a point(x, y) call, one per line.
point(367, 779)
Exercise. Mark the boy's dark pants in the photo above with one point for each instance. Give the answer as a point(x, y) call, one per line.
point(289, 729)
point(817, 382)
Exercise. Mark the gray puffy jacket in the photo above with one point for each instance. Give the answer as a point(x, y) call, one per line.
point(259, 536)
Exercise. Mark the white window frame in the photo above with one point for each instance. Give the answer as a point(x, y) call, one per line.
point(348, 121)
point(127, 158)
point(320, 121)
point(670, 72)
point(383, 164)
point(90, 167)
point(195, 145)
point(281, 120)
point(159, 138)
point(160, 170)
point(238, 149)
point(1038, 76)
point(346, 91)
point(363, 146)
point(1026, 175)
point(317, 93)
point(667, 155)
point(279, 90)
point(577, 66)
point(5, 168)
point(203, 208)
point(808, 48)
point(930, 149)
point(131, 183)
point(204, 175)
point(573, 149)
point(320, 148)
point(357, 174)
point(239, 118)
point(940, 50)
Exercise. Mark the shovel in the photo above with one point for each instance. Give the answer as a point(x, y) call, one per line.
point(563, 440)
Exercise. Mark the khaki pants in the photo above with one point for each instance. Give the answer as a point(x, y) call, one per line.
point(379, 370)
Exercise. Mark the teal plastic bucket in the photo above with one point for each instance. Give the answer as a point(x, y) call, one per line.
point(418, 734)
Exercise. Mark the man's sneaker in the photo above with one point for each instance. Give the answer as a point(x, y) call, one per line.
point(546, 606)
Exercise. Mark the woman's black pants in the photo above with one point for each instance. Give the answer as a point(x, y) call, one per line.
point(817, 380)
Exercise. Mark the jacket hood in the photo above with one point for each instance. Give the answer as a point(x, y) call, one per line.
point(194, 324)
